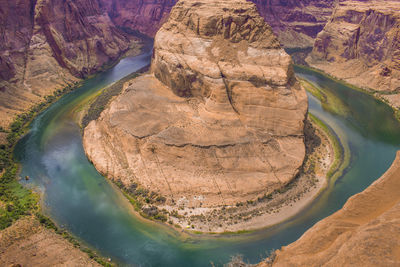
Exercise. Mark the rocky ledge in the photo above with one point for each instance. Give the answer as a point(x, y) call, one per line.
point(218, 121)
point(361, 44)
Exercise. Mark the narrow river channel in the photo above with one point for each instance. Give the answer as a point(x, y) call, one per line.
point(79, 199)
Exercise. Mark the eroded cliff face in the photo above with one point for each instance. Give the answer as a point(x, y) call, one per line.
point(365, 232)
point(145, 16)
point(218, 121)
point(47, 45)
point(296, 22)
point(361, 44)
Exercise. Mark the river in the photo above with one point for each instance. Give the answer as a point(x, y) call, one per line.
point(79, 199)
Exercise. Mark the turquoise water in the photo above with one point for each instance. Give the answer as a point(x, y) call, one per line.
point(79, 199)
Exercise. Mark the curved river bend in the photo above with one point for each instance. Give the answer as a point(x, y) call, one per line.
point(79, 199)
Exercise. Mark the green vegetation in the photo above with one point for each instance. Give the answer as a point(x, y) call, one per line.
point(328, 100)
point(339, 162)
point(374, 93)
point(15, 199)
point(143, 201)
point(364, 90)
point(46, 222)
point(105, 96)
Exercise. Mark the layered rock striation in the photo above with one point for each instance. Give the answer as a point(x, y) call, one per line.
point(220, 118)
point(361, 44)
point(47, 45)
point(296, 22)
point(365, 232)
point(145, 16)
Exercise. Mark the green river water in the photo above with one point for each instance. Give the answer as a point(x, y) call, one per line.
point(79, 199)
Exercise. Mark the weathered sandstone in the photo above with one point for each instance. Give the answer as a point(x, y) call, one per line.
point(296, 22)
point(218, 121)
point(361, 44)
point(28, 243)
point(365, 232)
point(145, 16)
point(47, 45)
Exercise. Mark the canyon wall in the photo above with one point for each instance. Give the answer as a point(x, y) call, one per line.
point(218, 121)
point(361, 44)
point(47, 45)
point(145, 16)
point(365, 232)
point(296, 23)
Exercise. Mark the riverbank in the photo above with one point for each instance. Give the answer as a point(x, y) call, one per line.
point(382, 96)
point(334, 105)
point(18, 203)
point(323, 160)
point(28, 243)
point(21, 217)
point(365, 231)
point(278, 206)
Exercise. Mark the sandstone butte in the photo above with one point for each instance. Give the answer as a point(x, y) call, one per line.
point(361, 44)
point(47, 45)
point(365, 232)
point(218, 121)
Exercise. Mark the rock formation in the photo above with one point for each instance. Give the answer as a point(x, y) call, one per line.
point(365, 232)
point(296, 22)
point(145, 16)
point(49, 44)
point(361, 44)
point(218, 121)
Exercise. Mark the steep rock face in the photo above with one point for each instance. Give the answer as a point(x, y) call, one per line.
point(47, 45)
point(80, 33)
point(144, 16)
point(41, 39)
point(365, 232)
point(361, 44)
point(219, 120)
point(296, 22)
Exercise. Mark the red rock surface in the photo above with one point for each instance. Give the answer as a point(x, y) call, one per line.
point(46, 44)
point(296, 22)
point(145, 16)
point(361, 44)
